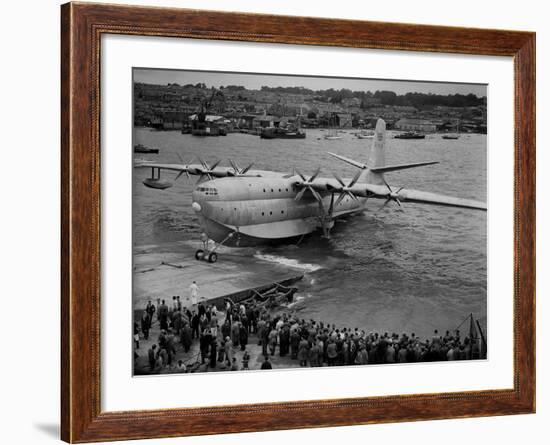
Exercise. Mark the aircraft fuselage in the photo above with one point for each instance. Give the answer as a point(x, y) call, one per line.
point(261, 209)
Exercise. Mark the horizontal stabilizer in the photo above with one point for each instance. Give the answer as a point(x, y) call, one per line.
point(393, 168)
point(349, 161)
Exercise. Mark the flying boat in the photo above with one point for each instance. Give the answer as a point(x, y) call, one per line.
point(242, 207)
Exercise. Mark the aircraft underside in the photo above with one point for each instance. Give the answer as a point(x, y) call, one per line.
point(277, 232)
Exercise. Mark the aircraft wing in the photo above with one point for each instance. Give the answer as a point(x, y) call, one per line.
point(409, 195)
point(434, 198)
point(214, 171)
point(172, 167)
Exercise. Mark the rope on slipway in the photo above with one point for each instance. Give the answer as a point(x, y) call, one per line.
point(195, 357)
point(463, 321)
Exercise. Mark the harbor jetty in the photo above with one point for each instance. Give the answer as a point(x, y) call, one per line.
point(168, 270)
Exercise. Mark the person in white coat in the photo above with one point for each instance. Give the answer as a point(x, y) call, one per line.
point(194, 293)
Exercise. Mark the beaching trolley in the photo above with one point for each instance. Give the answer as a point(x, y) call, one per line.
point(207, 254)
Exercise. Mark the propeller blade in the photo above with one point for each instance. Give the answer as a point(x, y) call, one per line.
point(339, 200)
point(315, 174)
point(247, 168)
point(384, 205)
point(179, 174)
point(204, 164)
point(316, 194)
point(300, 175)
point(399, 189)
point(234, 165)
point(300, 194)
point(213, 166)
point(290, 175)
point(339, 179)
point(387, 185)
point(355, 178)
point(180, 158)
point(352, 196)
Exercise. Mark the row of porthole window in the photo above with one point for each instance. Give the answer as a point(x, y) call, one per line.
point(273, 190)
point(263, 213)
point(271, 213)
point(282, 211)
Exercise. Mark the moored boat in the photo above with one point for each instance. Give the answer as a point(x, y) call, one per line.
point(452, 135)
point(140, 148)
point(365, 134)
point(332, 135)
point(410, 135)
point(282, 133)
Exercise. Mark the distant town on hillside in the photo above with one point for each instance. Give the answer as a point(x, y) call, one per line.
point(172, 106)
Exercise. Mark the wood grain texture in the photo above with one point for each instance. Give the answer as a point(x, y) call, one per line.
point(81, 28)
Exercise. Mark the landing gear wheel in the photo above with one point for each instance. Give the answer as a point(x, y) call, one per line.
point(213, 257)
point(199, 254)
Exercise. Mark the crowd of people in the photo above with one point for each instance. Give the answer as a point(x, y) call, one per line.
point(221, 335)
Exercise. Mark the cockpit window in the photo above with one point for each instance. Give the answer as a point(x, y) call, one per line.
point(208, 190)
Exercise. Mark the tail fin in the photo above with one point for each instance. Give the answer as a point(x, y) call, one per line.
point(373, 172)
point(377, 156)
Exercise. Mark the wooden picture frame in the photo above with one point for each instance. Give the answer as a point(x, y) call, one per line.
point(82, 26)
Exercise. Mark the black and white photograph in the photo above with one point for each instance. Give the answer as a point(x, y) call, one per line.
point(284, 221)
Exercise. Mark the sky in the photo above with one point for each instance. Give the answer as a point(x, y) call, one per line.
point(256, 81)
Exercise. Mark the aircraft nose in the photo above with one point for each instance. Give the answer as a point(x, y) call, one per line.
point(196, 207)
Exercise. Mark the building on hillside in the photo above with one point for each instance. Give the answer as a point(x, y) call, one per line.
point(370, 101)
point(415, 125)
point(343, 120)
point(268, 121)
point(405, 109)
point(351, 102)
point(246, 121)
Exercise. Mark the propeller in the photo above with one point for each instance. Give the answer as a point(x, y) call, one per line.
point(181, 173)
point(290, 175)
point(392, 196)
point(209, 170)
point(186, 168)
point(237, 170)
point(346, 190)
point(307, 184)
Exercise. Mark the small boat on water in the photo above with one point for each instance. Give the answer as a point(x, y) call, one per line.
point(140, 148)
point(452, 135)
point(282, 133)
point(410, 135)
point(332, 135)
point(369, 134)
